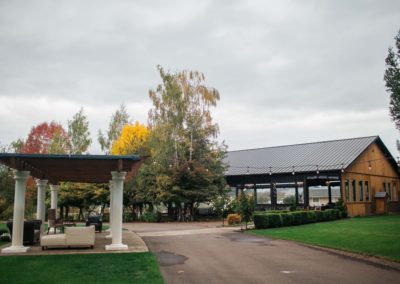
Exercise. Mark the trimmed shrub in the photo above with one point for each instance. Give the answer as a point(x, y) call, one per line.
point(338, 213)
point(3, 231)
point(263, 220)
point(129, 217)
point(311, 217)
point(325, 216)
point(287, 219)
point(260, 221)
point(331, 214)
point(319, 216)
point(274, 220)
point(274, 211)
point(297, 217)
point(304, 217)
point(341, 206)
point(151, 217)
point(233, 219)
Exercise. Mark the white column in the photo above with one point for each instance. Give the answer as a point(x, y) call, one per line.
point(54, 197)
point(117, 206)
point(109, 236)
point(17, 246)
point(41, 207)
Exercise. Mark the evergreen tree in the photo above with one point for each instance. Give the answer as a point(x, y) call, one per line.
point(246, 207)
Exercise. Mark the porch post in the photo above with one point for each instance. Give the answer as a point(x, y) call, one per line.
point(329, 194)
point(110, 222)
point(54, 197)
point(40, 208)
point(21, 178)
point(117, 197)
point(306, 193)
point(255, 194)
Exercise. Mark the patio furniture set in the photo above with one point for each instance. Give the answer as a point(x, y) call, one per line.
point(71, 236)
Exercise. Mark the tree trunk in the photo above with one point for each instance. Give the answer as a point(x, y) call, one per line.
point(66, 211)
point(80, 215)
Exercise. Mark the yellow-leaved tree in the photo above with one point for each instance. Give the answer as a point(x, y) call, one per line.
point(133, 140)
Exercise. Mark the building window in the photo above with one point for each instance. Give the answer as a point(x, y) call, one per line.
point(360, 185)
point(353, 187)
point(346, 189)
point(394, 192)
point(315, 200)
point(388, 191)
point(384, 186)
point(263, 195)
point(366, 191)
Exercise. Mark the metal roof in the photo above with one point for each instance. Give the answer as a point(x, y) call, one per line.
point(73, 168)
point(327, 155)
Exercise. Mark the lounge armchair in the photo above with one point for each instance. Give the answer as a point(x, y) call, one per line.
point(94, 220)
point(73, 237)
point(53, 222)
point(31, 231)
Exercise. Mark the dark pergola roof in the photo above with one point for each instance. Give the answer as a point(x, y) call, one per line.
point(72, 168)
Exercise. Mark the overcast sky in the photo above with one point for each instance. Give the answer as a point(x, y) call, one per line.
point(287, 71)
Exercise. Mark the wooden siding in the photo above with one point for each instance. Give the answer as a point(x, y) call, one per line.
point(381, 172)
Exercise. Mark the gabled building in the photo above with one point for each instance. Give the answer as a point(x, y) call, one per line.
point(359, 170)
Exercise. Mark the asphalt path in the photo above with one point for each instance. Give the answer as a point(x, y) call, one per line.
point(200, 253)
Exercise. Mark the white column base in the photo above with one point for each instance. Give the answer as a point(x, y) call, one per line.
point(116, 247)
point(15, 249)
point(108, 237)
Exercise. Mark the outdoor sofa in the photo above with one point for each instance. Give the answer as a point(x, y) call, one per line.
point(73, 237)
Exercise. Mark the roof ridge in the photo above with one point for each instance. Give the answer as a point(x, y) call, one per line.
point(307, 143)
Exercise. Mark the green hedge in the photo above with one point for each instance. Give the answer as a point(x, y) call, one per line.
point(260, 221)
point(151, 217)
point(271, 211)
point(283, 219)
point(287, 219)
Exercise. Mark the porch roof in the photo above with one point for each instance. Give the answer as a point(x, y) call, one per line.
point(72, 168)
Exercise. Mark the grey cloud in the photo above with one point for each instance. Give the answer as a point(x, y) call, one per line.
point(313, 56)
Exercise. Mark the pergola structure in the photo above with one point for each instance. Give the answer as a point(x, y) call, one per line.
point(52, 169)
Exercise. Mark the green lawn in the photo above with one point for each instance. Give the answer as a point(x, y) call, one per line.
point(377, 235)
point(82, 268)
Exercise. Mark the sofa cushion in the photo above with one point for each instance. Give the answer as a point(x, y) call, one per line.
point(53, 240)
point(82, 236)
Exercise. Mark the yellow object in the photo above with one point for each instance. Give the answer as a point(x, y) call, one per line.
point(132, 140)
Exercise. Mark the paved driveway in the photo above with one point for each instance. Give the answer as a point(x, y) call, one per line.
point(201, 253)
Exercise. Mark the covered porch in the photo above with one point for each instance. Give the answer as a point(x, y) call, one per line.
point(53, 169)
point(279, 191)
